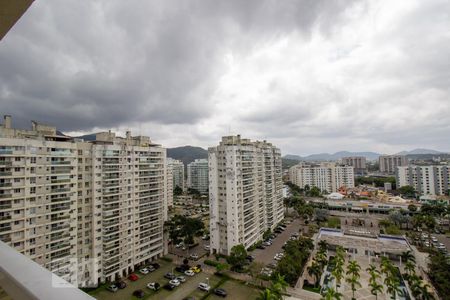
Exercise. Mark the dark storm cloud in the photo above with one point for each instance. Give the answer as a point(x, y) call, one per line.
point(85, 64)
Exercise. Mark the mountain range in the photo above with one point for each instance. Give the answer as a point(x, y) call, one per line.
point(367, 155)
point(187, 154)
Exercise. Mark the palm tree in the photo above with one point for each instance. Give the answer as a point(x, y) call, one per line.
point(331, 294)
point(375, 288)
point(323, 246)
point(410, 267)
point(408, 256)
point(315, 270)
point(353, 268)
point(354, 282)
point(392, 284)
point(372, 269)
point(278, 286)
point(321, 258)
point(424, 293)
point(266, 295)
point(338, 273)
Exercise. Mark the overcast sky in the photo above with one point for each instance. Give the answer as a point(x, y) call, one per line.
point(308, 75)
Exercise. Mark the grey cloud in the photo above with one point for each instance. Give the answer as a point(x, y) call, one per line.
point(80, 64)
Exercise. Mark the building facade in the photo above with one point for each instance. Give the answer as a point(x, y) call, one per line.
point(169, 186)
point(357, 162)
point(87, 211)
point(389, 163)
point(327, 177)
point(245, 189)
point(178, 173)
point(425, 179)
point(197, 175)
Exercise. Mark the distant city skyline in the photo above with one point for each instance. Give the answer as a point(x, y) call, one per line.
point(310, 76)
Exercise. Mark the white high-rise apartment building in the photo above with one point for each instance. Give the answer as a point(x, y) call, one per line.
point(169, 186)
point(326, 176)
point(425, 179)
point(389, 163)
point(178, 172)
point(88, 211)
point(245, 188)
point(357, 162)
point(197, 178)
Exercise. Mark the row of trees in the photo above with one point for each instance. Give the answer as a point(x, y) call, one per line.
point(390, 273)
point(296, 255)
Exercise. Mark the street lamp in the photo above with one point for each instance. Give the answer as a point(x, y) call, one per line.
point(207, 280)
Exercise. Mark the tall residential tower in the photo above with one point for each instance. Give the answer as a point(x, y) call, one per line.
point(245, 188)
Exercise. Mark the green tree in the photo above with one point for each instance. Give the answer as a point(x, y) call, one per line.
point(278, 286)
point(266, 295)
point(392, 284)
point(410, 267)
point(220, 267)
point(354, 283)
point(353, 269)
point(315, 270)
point(177, 191)
point(331, 294)
point(408, 256)
point(407, 191)
point(439, 273)
point(238, 257)
point(314, 192)
point(412, 208)
point(375, 288)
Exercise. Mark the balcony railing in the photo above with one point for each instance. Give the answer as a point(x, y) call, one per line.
point(24, 279)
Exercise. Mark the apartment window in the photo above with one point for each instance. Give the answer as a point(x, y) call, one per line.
point(16, 169)
point(17, 158)
point(33, 190)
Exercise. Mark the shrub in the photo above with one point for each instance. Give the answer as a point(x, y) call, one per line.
point(211, 262)
point(168, 259)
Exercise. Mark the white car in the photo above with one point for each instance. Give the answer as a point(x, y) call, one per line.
point(175, 282)
point(194, 256)
point(153, 286)
point(189, 273)
point(204, 287)
point(207, 247)
point(181, 279)
point(179, 245)
point(144, 271)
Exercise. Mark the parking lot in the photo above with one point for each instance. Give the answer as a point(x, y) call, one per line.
point(189, 288)
point(266, 255)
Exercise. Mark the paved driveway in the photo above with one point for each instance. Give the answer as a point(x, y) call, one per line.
point(266, 256)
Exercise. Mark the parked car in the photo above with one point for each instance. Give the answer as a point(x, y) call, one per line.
point(182, 268)
point(220, 292)
point(207, 247)
point(121, 284)
point(174, 282)
point(144, 271)
point(189, 273)
point(154, 286)
point(204, 287)
point(112, 288)
point(179, 245)
point(250, 258)
point(156, 265)
point(261, 246)
point(196, 269)
point(205, 237)
point(151, 268)
point(133, 277)
point(170, 275)
point(181, 279)
point(169, 286)
point(194, 256)
point(139, 293)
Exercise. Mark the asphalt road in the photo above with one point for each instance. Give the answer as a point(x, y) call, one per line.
point(266, 256)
